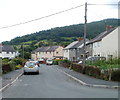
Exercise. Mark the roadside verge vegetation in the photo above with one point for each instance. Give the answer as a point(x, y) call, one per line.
point(106, 70)
point(12, 64)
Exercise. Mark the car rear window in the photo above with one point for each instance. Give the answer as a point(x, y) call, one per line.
point(30, 64)
point(49, 60)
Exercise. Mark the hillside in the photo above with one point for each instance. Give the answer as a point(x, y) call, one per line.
point(62, 35)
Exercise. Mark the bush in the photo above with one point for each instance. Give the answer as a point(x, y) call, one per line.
point(57, 61)
point(12, 64)
point(115, 75)
point(6, 68)
point(5, 61)
point(18, 61)
point(92, 71)
point(77, 67)
point(65, 61)
point(18, 66)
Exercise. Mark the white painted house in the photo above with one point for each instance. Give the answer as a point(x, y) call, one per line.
point(7, 51)
point(106, 44)
point(74, 51)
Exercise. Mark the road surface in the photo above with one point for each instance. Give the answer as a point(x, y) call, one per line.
point(52, 83)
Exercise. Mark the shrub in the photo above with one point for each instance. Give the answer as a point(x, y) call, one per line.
point(115, 75)
point(92, 71)
point(18, 61)
point(18, 66)
point(57, 61)
point(77, 67)
point(12, 64)
point(65, 61)
point(5, 61)
point(6, 68)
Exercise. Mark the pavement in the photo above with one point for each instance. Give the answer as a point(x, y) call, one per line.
point(11, 77)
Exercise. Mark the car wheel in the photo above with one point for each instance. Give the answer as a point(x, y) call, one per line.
point(37, 73)
point(25, 73)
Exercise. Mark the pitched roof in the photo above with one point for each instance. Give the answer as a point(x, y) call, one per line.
point(71, 45)
point(101, 36)
point(75, 44)
point(46, 49)
point(52, 48)
point(6, 48)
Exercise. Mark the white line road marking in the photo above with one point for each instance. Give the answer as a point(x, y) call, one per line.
point(10, 83)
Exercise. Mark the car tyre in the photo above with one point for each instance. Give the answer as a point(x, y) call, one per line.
point(37, 73)
point(25, 73)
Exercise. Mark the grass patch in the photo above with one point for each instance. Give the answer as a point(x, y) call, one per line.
point(109, 64)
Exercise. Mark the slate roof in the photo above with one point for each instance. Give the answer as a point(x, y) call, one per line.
point(75, 44)
point(6, 48)
point(101, 36)
point(71, 45)
point(46, 49)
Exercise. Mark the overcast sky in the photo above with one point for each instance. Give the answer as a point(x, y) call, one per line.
point(19, 11)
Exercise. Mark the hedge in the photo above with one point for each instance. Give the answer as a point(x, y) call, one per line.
point(6, 68)
point(77, 67)
point(94, 71)
point(115, 75)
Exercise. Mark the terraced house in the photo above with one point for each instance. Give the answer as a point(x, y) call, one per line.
point(48, 52)
point(74, 51)
point(106, 43)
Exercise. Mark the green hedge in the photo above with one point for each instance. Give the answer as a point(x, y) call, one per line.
point(57, 61)
point(77, 67)
point(94, 71)
point(115, 75)
point(6, 68)
point(12, 64)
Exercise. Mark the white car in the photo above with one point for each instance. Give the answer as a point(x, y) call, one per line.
point(31, 66)
point(49, 61)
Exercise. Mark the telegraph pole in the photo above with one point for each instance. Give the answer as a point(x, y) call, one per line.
point(84, 57)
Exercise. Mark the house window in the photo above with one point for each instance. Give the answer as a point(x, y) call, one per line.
point(82, 56)
point(57, 52)
point(110, 56)
point(98, 55)
point(7, 52)
point(46, 52)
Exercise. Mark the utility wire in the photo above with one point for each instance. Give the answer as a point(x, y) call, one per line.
point(42, 17)
point(50, 15)
point(105, 4)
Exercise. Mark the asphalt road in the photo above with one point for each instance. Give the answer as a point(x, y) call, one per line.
point(51, 83)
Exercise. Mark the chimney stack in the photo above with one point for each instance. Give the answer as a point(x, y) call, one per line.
point(80, 38)
point(108, 27)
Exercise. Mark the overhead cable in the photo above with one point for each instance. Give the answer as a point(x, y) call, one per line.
point(42, 17)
